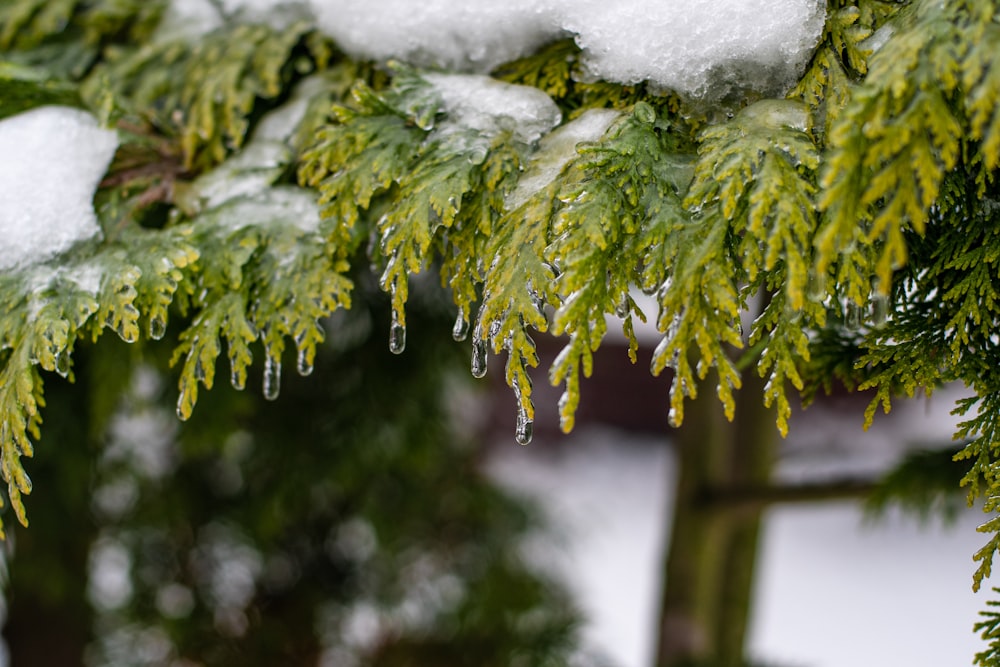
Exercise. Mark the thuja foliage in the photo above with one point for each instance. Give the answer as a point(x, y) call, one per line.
point(852, 217)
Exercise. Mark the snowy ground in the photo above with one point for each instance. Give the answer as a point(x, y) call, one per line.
point(833, 589)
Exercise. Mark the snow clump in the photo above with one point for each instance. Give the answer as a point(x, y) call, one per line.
point(490, 107)
point(53, 161)
point(684, 45)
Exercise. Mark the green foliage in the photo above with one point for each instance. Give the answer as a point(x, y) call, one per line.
point(922, 105)
point(853, 222)
point(26, 88)
point(200, 92)
point(989, 628)
point(750, 230)
point(46, 309)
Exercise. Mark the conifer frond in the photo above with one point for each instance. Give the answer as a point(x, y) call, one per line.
point(900, 135)
point(753, 224)
point(518, 283)
point(370, 147)
point(24, 88)
point(550, 69)
point(622, 197)
point(26, 23)
point(46, 308)
point(64, 37)
point(989, 629)
point(265, 275)
point(204, 92)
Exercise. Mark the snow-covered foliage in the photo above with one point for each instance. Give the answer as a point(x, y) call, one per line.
point(830, 166)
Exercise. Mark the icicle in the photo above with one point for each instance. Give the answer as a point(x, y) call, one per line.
point(272, 377)
point(478, 357)
point(461, 329)
point(303, 364)
point(817, 286)
point(852, 316)
point(157, 327)
point(236, 378)
point(397, 335)
point(880, 309)
point(879, 302)
point(525, 427)
point(665, 342)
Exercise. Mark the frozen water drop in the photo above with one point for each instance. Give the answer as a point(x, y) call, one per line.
point(157, 327)
point(477, 155)
point(461, 329)
point(852, 316)
point(525, 427)
point(62, 363)
point(304, 364)
point(478, 358)
point(817, 286)
point(397, 336)
point(272, 378)
point(880, 309)
point(672, 418)
point(237, 379)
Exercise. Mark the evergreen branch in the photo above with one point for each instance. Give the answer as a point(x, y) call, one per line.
point(517, 284)
point(885, 172)
point(620, 193)
point(202, 93)
point(754, 222)
point(989, 629)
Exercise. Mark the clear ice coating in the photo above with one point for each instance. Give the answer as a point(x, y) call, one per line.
point(478, 356)
point(525, 427)
point(63, 363)
point(686, 45)
point(397, 335)
point(302, 363)
point(157, 327)
point(53, 160)
point(490, 107)
point(272, 377)
point(461, 329)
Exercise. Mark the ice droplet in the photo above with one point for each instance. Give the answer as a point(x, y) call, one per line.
point(478, 357)
point(237, 379)
point(672, 418)
point(157, 327)
point(461, 329)
point(272, 377)
point(62, 363)
point(817, 286)
point(880, 309)
point(852, 316)
point(303, 364)
point(397, 336)
point(525, 427)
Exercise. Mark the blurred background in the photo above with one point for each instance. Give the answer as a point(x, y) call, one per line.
point(380, 513)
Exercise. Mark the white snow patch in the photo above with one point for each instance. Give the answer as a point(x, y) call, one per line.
point(473, 35)
point(557, 149)
point(682, 45)
point(490, 107)
point(686, 45)
point(53, 160)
